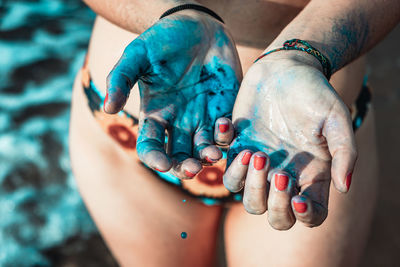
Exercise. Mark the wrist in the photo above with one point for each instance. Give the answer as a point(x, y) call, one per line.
point(192, 9)
point(306, 47)
point(150, 12)
point(294, 57)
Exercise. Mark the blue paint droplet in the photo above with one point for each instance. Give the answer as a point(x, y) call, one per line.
point(183, 200)
point(183, 235)
point(237, 197)
point(358, 122)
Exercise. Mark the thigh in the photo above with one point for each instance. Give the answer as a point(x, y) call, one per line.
point(140, 217)
point(339, 241)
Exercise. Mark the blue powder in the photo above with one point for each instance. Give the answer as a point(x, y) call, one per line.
point(183, 235)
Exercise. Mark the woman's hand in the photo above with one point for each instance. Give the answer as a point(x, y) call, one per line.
point(294, 134)
point(188, 72)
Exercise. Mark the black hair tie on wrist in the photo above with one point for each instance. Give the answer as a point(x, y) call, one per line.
point(192, 6)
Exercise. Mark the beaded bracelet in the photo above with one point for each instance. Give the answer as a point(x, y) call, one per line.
point(297, 44)
point(194, 7)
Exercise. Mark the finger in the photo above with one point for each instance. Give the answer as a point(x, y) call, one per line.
point(187, 168)
point(255, 188)
point(339, 134)
point(307, 208)
point(204, 147)
point(235, 175)
point(282, 188)
point(124, 75)
point(314, 178)
point(223, 131)
point(180, 149)
point(151, 143)
point(179, 142)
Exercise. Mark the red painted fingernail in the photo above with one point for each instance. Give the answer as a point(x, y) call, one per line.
point(105, 101)
point(159, 170)
point(259, 162)
point(189, 174)
point(223, 127)
point(348, 181)
point(246, 158)
point(300, 207)
point(281, 181)
point(209, 160)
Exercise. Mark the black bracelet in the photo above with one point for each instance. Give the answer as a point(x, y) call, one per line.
point(192, 6)
point(297, 44)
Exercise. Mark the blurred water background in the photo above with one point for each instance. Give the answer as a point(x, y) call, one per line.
point(43, 221)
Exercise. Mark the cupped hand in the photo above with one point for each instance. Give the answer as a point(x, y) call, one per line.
point(294, 134)
point(188, 73)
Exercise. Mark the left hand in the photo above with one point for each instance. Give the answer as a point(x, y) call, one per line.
point(294, 134)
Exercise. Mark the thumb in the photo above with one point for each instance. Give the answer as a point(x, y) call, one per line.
point(132, 64)
point(339, 134)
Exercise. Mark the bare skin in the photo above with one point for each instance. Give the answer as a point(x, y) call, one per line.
point(115, 196)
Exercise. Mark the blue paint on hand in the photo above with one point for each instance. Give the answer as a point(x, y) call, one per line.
point(188, 73)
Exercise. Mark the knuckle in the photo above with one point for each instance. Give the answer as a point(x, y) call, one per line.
point(233, 186)
point(280, 209)
point(254, 207)
point(255, 186)
point(222, 141)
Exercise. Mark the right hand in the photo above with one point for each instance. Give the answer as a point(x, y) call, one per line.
point(188, 72)
point(294, 135)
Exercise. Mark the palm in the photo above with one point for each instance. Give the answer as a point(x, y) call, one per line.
point(293, 115)
point(286, 121)
point(195, 80)
point(188, 72)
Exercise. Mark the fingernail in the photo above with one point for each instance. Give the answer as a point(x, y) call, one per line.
point(189, 174)
point(223, 127)
point(159, 170)
point(281, 181)
point(300, 207)
point(259, 162)
point(210, 160)
point(105, 101)
point(348, 181)
point(246, 158)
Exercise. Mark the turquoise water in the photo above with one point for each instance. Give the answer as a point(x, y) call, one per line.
point(42, 45)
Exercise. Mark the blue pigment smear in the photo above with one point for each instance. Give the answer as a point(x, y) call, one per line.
point(183, 235)
point(183, 200)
